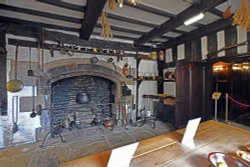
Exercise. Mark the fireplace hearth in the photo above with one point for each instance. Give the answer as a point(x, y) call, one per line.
point(79, 94)
point(97, 105)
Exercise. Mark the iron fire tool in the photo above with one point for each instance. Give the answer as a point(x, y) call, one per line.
point(15, 113)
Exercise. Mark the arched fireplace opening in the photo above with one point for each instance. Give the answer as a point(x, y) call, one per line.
point(82, 101)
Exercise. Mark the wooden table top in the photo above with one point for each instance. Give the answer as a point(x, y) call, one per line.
point(167, 151)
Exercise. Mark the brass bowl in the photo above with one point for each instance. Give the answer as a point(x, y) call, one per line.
point(218, 159)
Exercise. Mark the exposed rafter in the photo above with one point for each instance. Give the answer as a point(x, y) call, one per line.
point(116, 36)
point(63, 4)
point(133, 21)
point(93, 11)
point(198, 25)
point(213, 27)
point(32, 31)
point(149, 9)
point(179, 31)
point(116, 28)
point(175, 22)
point(41, 14)
point(37, 24)
point(25, 43)
point(216, 12)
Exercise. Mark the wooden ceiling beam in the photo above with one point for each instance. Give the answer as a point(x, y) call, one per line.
point(63, 4)
point(216, 12)
point(116, 28)
point(197, 33)
point(149, 9)
point(176, 22)
point(198, 25)
point(32, 31)
point(133, 21)
point(93, 11)
point(37, 24)
point(41, 14)
point(179, 31)
point(117, 36)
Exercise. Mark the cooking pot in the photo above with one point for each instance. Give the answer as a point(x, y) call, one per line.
point(82, 98)
point(94, 60)
point(108, 124)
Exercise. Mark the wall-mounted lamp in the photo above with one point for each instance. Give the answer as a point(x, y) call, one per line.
point(194, 19)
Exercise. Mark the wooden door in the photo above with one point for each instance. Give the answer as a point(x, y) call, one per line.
point(193, 91)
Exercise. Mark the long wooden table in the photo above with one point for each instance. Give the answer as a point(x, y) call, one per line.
point(167, 151)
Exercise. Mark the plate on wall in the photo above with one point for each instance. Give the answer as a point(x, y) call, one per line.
point(218, 159)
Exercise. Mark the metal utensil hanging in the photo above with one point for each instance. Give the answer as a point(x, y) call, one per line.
point(33, 114)
point(15, 85)
point(30, 72)
point(15, 113)
point(83, 97)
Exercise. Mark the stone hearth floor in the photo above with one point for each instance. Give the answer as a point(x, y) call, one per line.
point(79, 143)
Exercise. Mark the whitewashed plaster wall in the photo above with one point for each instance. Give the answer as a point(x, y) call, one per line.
point(146, 67)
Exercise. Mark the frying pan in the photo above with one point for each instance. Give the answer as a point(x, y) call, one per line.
point(30, 71)
point(15, 85)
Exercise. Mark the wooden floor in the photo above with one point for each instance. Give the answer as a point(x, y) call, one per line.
point(166, 150)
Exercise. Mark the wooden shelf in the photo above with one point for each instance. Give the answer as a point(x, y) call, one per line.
point(168, 80)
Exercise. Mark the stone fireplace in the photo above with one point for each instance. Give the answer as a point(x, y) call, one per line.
point(99, 92)
point(64, 80)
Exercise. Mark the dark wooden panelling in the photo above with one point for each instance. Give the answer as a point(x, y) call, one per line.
point(3, 64)
point(189, 84)
point(196, 50)
point(231, 39)
point(248, 38)
point(212, 44)
point(175, 56)
point(241, 92)
point(188, 51)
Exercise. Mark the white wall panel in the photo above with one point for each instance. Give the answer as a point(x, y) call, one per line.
point(204, 50)
point(181, 52)
point(221, 43)
point(241, 37)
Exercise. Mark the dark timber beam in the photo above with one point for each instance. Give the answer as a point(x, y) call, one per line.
point(130, 20)
point(41, 14)
point(29, 31)
point(198, 25)
point(93, 11)
point(3, 66)
point(150, 9)
point(37, 24)
point(116, 36)
point(116, 28)
point(63, 4)
point(216, 12)
point(25, 43)
point(207, 29)
point(176, 22)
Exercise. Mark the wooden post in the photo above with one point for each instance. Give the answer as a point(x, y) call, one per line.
point(3, 64)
